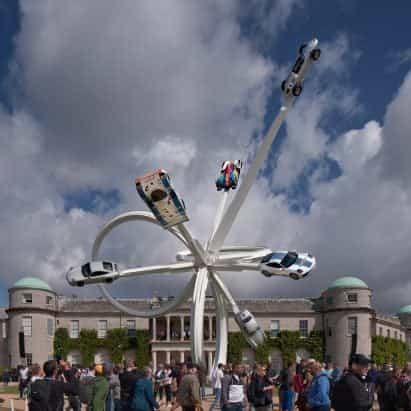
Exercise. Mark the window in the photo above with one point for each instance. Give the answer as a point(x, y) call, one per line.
point(74, 329)
point(275, 328)
point(389, 333)
point(27, 298)
point(49, 300)
point(352, 298)
point(27, 326)
point(289, 259)
point(102, 328)
point(75, 358)
point(352, 325)
point(50, 327)
point(395, 335)
point(303, 328)
point(380, 331)
point(131, 324)
point(29, 359)
point(330, 300)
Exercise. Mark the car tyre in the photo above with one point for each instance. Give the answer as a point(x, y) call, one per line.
point(294, 276)
point(283, 85)
point(315, 54)
point(301, 49)
point(80, 283)
point(297, 89)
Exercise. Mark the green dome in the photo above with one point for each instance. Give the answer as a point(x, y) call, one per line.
point(348, 282)
point(32, 282)
point(405, 310)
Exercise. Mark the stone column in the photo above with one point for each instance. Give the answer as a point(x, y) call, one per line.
point(154, 329)
point(210, 328)
point(168, 328)
point(168, 356)
point(210, 360)
point(154, 355)
point(182, 328)
point(181, 356)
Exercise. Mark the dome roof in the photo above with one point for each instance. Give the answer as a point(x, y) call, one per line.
point(32, 282)
point(405, 310)
point(348, 282)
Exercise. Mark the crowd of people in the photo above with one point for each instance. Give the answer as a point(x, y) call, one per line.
point(308, 386)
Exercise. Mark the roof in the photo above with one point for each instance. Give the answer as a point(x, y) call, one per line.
point(405, 310)
point(32, 282)
point(348, 282)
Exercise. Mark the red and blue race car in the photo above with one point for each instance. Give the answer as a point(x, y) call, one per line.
point(229, 175)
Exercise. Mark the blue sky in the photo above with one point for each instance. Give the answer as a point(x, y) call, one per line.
point(98, 96)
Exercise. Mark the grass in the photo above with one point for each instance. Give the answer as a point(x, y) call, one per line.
point(9, 389)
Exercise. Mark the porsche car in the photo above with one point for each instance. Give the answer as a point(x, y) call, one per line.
point(292, 86)
point(92, 270)
point(229, 175)
point(287, 263)
point(157, 192)
point(248, 324)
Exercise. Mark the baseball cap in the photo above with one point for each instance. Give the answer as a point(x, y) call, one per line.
point(359, 359)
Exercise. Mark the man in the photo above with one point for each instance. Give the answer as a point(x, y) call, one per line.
point(319, 391)
point(128, 380)
point(70, 374)
point(23, 378)
point(217, 377)
point(48, 394)
point(352, 392)
point(260, 390)
point(232, 390)
point(188, 393)
point(101, 388)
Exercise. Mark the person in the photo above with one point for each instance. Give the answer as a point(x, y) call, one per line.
point(85, 387)
point(286, 392)
point(143, 398)
point(388, 390)
point(217, 377)
point(319, 391)
point(158, 382)
point(188, 393)
point(260, 390)
point(47, 394)
point(23, 378)
point(352, 392)
point(70, 375)
point(232, 390)
point(166, 383)
point(115, 388)
point(127, 382)
point(101, 388)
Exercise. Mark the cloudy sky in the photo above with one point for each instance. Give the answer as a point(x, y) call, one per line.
point(93, 94)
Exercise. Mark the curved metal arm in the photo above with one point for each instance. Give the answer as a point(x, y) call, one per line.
point(147, 217)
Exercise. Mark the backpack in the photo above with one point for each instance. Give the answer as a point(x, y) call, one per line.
point(40, 393)
point(86, 386)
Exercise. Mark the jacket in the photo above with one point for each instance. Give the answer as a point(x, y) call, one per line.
point(257, 396)
point(352, 393)
point(143, 398)
point(100, 391)
point(188, 393)
point(319, 392)
point(231, 388)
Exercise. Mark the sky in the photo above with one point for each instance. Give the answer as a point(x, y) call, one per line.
point(93, 95)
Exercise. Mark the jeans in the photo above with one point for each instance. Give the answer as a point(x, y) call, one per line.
point(217, 399)
point(109, 403)
point(321, 408)
point(74, 402)
point(117, 405)
point(234, 407)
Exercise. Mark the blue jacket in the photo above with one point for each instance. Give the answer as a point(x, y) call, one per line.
point(319, 393)
point(143, 398)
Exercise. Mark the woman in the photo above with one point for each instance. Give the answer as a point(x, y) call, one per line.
point(286, 388)
point(260, 390)
point(101, 388)
point(143, 398)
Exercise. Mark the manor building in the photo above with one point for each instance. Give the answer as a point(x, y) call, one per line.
point(343, 312)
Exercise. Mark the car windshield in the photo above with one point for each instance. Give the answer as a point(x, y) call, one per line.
point(273, 256)
point(158, 195)
point(307, 263)
point(289, 259)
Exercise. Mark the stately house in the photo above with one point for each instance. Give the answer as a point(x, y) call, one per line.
point(344, 309)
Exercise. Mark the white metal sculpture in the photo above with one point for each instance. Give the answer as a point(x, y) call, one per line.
point(209, 260)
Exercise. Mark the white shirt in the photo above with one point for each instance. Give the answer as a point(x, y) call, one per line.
point(235, 390)
point(24, 373)
point(217, 377)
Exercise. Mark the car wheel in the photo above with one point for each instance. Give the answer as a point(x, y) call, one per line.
point(80, 283)
point(315, 54)
point(301, 49)
point(109, 280)
point(283, 85)
point(294, 276)
point(297, 90)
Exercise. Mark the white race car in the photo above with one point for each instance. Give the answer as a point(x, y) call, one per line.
point(157, 192)
point(92, 272)
point(249, 326)
point(292, 86)
point(287, 263)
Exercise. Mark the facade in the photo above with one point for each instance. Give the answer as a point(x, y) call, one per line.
point(343, 312)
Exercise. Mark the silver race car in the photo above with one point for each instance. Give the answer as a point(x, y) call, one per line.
point(93, 272)
point(248, 324)
point(288, 264)
point(309, 52)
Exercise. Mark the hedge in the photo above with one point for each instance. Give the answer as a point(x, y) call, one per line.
point(389, 350)
point(116, 343)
